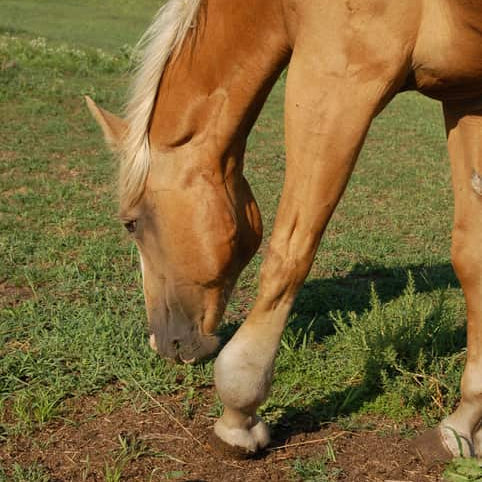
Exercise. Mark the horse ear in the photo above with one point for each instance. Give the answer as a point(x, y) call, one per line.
point(114, 127)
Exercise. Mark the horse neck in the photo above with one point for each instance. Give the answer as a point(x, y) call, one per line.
point(212, 91)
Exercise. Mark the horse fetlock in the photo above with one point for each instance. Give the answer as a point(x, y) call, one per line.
point(246, 440)
point(243, 390)
point(243, 374)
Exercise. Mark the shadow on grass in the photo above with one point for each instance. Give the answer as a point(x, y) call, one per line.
point(7, 30)
point(353, 293)
point(319, 298)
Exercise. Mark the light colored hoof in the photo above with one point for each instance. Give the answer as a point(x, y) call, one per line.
point(243, 441)
point(458, 444)
point(442, 444)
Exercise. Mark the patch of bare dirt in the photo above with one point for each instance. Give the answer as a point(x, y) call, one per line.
point(11, 295)
point(376, 457)
point(165, 440)
point(64, 172)
point(8, 155)
point(15, 191)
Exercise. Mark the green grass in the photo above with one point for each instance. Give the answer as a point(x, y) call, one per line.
point(463, 470)
point(405, 350)
point(108, 24)
point(378, 327)
point(33, 473)
point(316, 469)
point(130, 448)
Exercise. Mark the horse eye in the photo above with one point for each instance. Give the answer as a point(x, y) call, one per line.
point(131, 226)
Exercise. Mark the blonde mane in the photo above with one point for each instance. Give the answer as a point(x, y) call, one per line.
point(165, 35)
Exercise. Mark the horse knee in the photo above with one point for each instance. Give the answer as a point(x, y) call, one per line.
point(466, 254)
point(282, 275)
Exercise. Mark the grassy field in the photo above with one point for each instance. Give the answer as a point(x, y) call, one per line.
point(378, 329)
point(108, 24)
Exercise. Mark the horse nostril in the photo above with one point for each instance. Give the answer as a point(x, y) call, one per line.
point(176, 344)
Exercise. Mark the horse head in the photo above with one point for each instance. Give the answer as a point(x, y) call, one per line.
point(195, 227)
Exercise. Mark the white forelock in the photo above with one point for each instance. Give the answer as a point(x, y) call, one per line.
point(165, 35)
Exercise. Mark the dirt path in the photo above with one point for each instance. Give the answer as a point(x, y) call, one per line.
point(158, 440)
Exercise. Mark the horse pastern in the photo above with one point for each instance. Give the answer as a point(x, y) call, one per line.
point(260, 432)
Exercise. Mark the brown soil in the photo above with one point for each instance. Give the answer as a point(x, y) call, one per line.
point(7, 155)
point(11, 295)
point(164, 443)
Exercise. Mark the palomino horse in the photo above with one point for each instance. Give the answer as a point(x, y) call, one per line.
point(207, 69)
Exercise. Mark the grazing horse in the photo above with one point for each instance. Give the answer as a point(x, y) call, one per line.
point(207, 68)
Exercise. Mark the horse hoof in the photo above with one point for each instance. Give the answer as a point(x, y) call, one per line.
point(228, 451)
point(441, 444)
point(239, 442)
point(430, 448)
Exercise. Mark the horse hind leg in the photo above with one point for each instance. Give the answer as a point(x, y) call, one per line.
point(460, 434)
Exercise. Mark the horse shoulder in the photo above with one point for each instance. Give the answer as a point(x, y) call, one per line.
point(447, 59)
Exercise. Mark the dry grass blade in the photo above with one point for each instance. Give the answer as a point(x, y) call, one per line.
point(310, 442)
point(173, 418)
point(163, 438)
point(174, 459)
point(169, 414)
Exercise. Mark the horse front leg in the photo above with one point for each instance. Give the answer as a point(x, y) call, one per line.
point(326, 122)
point(460, 433)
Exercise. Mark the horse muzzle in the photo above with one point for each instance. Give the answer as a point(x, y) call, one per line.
point(184, 349)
